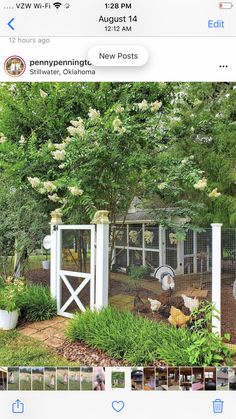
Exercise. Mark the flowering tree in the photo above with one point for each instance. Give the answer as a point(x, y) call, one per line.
point(76, 154)
point(106, 160)
point(205, 126)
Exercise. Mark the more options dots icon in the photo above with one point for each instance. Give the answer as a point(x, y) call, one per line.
point(18, 407)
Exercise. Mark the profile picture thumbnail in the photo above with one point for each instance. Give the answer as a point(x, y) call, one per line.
point(14, 66)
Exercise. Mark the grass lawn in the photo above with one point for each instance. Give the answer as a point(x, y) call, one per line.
point(16, 350)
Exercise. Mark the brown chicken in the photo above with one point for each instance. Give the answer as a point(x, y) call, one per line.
point(140, 306)
point(177, 318)
point(164, 297)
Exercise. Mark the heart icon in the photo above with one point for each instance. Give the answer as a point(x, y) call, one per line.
point(118, 406)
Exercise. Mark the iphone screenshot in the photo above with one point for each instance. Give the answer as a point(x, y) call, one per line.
point(117, 209)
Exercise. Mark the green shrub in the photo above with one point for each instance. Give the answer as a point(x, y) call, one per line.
point(37, 303)
point(140, 341)
point(137, 271)
point(135, 275)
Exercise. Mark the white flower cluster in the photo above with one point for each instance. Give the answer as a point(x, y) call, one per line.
point(94, 113)
point(12, 87)
point(34, 181)
point(22, 140)
point(201, 184)
point(133, 235)
point(74, 190)
point(43, 94)
point(60, 146)
point(119, 109)
point(77, 127)
point(214, 194)
point(59, 155)
point(117, 125)
point(187, 160)
point(148, 236)
point(154, 106)
point(44, 187)
point(54, 197)
point(3, 139)
point(49, 186)
point(161, 186)
point(197, 102)
point(143, 106)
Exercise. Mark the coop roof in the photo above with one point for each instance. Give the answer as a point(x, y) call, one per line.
point(137, 216)
point(143, 216)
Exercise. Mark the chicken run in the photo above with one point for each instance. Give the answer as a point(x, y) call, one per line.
point(177, 309)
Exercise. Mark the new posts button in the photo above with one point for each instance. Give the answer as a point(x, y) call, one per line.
point(118, 55)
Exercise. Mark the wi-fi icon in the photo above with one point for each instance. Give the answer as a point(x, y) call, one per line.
point(57, 4)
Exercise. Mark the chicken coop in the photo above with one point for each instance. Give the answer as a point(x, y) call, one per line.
point(140, 242)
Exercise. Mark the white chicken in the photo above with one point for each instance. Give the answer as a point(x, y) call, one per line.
point(190, 303)
point(155, 304)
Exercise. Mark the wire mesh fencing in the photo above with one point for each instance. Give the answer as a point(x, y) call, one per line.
point(228, 283)
point(146, 257)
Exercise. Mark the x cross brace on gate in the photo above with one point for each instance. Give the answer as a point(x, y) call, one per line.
point(74, 293)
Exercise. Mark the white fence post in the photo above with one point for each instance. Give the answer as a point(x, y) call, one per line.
point(216, 273)
point(55, 221)
point(102, 259)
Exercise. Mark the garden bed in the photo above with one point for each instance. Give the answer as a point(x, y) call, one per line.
point(139, 341)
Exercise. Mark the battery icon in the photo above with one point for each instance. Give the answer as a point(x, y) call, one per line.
point(226, 5)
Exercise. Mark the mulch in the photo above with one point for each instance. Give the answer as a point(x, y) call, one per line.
point(228, 311)
point(38, 276)
point(83, 354)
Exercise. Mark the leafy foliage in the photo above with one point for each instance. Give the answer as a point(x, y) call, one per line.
point(141, 342)
point(37, 304)
point(123, 149)
point(10, 296)
point(205, 125)
point(135, 275)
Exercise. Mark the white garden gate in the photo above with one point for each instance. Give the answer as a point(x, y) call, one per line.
point(63, 276)
point(70, 280)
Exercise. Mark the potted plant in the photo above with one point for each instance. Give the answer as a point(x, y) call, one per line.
point(46, 246)
point(46, 262)
point(10, 294)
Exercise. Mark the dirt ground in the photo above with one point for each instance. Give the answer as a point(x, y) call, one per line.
point(121, 296)
point(228, 310)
